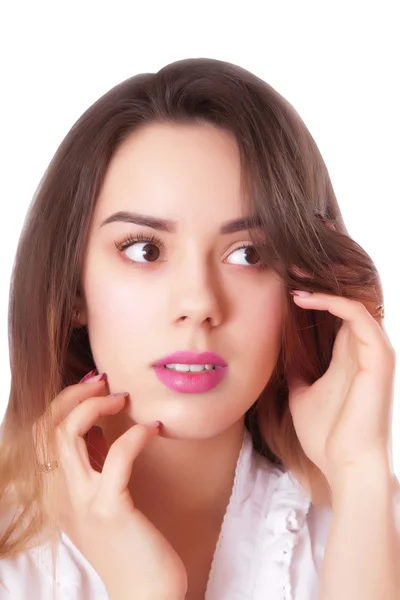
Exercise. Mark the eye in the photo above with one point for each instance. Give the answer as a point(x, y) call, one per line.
point(247, 256)
point(143, 252)
point(141, 249)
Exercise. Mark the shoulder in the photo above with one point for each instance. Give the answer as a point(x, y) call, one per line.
point(30, 574)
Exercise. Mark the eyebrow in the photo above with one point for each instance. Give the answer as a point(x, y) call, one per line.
point(168, 226)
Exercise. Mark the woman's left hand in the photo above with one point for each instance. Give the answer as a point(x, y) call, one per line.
point(345, 417)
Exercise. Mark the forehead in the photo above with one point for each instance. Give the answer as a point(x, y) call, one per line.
point(175, 171)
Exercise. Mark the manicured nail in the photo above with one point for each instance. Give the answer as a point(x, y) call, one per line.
point(88, 375)
point(95, 378)
point(300, 293)
point(155, 424)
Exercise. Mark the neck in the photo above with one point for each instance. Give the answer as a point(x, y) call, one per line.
point(193, 477)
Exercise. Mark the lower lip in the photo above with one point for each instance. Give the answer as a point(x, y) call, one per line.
point(190, 383)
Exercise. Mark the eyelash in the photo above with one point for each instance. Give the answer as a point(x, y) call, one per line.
point(140, 237)
point(153, 239)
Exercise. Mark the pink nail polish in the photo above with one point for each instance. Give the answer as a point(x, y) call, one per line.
point(95, 378)
point(88, 375)
point(300, 293)
point(155, 424)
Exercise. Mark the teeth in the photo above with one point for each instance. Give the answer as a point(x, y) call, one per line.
point(191, 368)
point(196, 368)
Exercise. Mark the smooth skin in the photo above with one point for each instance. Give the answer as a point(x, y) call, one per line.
point(94, 507)
point(201, 294)
point(345, 416)
point(344, 422)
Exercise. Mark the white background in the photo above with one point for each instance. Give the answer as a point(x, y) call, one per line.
point(336, 62)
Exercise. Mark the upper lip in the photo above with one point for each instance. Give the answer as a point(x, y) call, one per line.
point(191, 358)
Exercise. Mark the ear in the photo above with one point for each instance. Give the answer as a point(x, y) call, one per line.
point(80, 318)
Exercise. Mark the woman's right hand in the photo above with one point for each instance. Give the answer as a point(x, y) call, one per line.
point(95, 509)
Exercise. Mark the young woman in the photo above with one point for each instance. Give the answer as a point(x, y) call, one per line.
point(232, 437)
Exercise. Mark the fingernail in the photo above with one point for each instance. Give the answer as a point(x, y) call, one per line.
point(90, 374)
point(300, 293)
point(95, 378)
point(118, 394)
point(155, 424)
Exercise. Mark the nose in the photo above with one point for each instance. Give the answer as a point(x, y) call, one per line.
point(195, 295)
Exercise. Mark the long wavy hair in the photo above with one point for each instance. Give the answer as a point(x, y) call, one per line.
point(287, 187)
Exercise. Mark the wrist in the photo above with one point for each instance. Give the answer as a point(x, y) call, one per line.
point(367, 478)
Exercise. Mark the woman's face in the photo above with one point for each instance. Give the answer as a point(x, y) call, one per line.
point(186, 284)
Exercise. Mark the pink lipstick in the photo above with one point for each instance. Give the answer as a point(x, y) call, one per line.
point(191, 372)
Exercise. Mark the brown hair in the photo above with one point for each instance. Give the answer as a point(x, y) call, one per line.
point(288, 187)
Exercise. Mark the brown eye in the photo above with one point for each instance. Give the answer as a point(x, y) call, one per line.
point(150, 252)
point(245, 256)
point(251, 255)
point(143, 252)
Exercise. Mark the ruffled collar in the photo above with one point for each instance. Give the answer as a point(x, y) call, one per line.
point(265, 515)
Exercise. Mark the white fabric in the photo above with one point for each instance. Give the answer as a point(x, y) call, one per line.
point(270, 547)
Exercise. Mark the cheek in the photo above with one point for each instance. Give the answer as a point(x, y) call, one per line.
point(260, 328)
point(119, 311)
point(262, 311)
point(256, 340)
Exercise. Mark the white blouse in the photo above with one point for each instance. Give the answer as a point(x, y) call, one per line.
point(270, 546)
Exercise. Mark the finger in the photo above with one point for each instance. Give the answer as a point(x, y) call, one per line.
point(73, 395)
point(73, 455)
point(67, 400)
point(118, 465)
point(88, 412)
point(374, 345)
point(61, 406)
